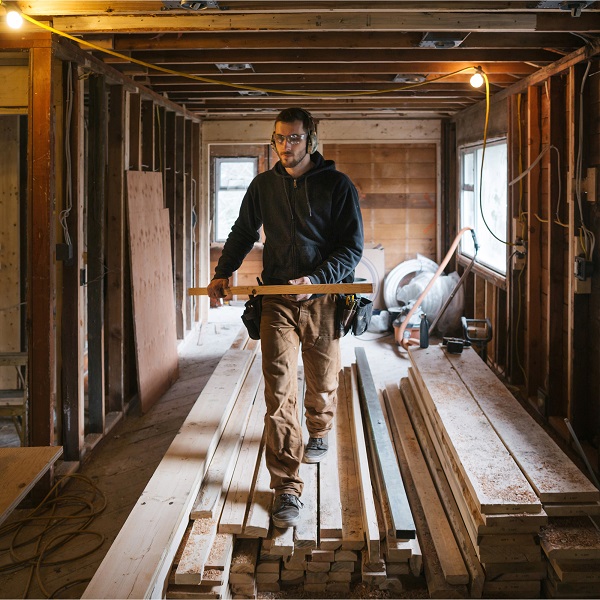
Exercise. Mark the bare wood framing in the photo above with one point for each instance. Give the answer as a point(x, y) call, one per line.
point(115, 246)
point(72, 333)
point(41, 296)
point(534, 259)
point(95, 238)
point(179, 228)
point(556, 250)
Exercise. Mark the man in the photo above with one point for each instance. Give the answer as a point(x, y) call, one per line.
point(313, 234)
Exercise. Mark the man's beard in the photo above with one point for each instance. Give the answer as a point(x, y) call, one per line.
point(290, 161)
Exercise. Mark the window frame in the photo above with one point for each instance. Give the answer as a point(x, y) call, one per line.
point(490, 271)
point(217, 162)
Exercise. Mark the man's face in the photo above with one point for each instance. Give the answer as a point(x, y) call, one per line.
point(291, 155)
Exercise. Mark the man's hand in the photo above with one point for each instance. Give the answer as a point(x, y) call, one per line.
point(300, 281)
point(217, 288)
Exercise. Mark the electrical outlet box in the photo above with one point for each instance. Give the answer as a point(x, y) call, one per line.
point(519, 262)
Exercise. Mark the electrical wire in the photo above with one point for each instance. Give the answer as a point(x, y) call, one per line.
point(64, 214)
point(587, 239)
point(74, 511)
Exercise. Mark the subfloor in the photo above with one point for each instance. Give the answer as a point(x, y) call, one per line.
point(120, 466)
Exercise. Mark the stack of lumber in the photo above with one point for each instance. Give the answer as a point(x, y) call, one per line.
point(572, 547)
point(502, 469)
point(138, 563)
point(339, 540)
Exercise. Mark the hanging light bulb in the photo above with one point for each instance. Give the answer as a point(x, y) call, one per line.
point(477, 78)
point(13, 19)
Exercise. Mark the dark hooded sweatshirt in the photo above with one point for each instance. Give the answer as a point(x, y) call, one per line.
point(312, 225)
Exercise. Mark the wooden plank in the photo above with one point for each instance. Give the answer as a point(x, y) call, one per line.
point(437, 585)
point(152, 282)
point(41, 239)
point(115, 246)
point(73, 308)
point(451, 561)
point(137, 563)
point(315, 288)
point(236, 503)
point(147, 137)
point(533, 365)
point(96, 229)
point(552, 474)
point(305, 533)
point(489, 471)
point(352, 532)
point(259, 512)
point(211, 497)
point(330, 504)
point(370, 524)
point(20, 470)
point(178, 223)
point(385, 455)
point(377, 21)
point(135, 132)
point(195, 554)
point(477, 576)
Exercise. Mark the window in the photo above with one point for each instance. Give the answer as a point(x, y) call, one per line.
point(487, 211)
point(232, 178)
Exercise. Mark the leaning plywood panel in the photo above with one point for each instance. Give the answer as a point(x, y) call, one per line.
point(137, 564)
point(20, 470)
point(489, 471)
point(152, 287)
point(552, 474)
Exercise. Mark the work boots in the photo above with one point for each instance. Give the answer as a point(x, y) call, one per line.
point(315, 450)
point(286, 511)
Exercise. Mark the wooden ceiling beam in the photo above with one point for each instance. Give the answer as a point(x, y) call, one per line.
point(340, 55)
point(340, 39)
point(330, 21)
point(86, 7)
point(171, 82)
point(299, 68)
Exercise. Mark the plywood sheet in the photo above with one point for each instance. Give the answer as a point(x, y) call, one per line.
point(152, 287)
point(20, 469)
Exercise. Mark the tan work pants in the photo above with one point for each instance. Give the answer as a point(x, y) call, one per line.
point(285, 325)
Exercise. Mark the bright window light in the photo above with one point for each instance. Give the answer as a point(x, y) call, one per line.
point(490, 194)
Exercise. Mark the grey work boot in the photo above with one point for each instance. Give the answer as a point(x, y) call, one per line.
point(315, 450)
point(286, 511)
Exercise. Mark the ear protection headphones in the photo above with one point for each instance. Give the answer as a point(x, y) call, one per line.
point(312, 142)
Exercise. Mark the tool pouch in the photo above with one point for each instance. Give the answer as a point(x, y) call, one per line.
point(355, 318)
point(251, 316)
point(362, 316)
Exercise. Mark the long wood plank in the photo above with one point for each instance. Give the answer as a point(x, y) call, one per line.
point(385, 454)
point(370, 523)
point(330, 505)
point(477, 576)
point(451, 561)
point(234, 510)
point(352, 531)
point(137, 563)
point(552, 474)
point(495, 480)
point(20, 470)
point(315, 288)
point(218, 477)
point(259, 511)
point(306, 532)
